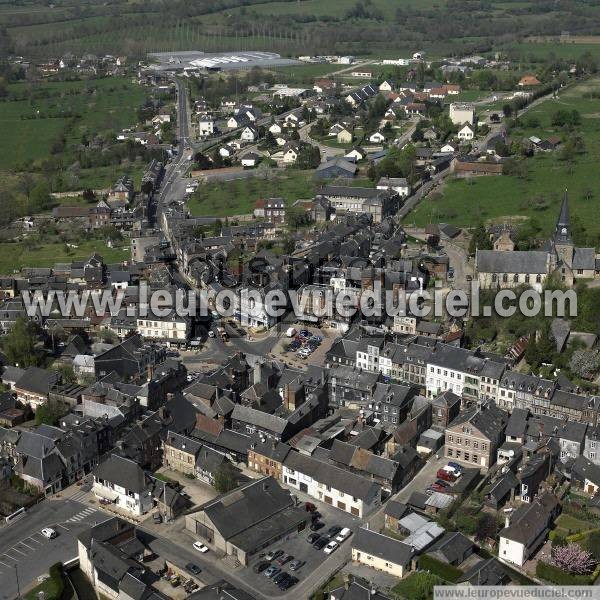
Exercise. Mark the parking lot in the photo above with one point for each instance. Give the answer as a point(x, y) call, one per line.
point(317, 356)
point(315, 561)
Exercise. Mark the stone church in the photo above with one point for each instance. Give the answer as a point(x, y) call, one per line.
point(505, 267)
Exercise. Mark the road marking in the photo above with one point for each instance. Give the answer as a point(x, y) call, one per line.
point(26, 546)
point(13, 549)
point(2, 563)
point(65, 528)
point(34, 540)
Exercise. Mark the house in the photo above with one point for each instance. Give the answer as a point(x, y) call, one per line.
point(381, 552)
point(526, 529)
point(452, 548)
point(356, 154)
point(377, 138)
point(466, 132)
point(34, 385)
point(586, 475)
point(529, 81)
point(357, 589)
point(485, 572)
point(327, 483)
point(180, 453)
point(170, 328)
point(249, 134)
point(335, 167)
point(275, 128)
point(344, 136)
point(449, 147)
point(111, 557)
point(124, 483)
point(465, 167)
point(386, 86)
point(242, 522)
point(393, 512)
point(206, 126)
point(475, 434)
point(250, 159)
point(378, 203)
point(398, 184)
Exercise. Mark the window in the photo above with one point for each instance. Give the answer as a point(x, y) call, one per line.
point(450, 438)
point(475, 458)
point(450, 452)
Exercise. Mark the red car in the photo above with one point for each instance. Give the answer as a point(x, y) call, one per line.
point(445, 475)
point(310, 507)
point(436, 487)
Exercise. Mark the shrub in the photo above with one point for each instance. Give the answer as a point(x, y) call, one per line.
point(555, 575)
point(439, 568)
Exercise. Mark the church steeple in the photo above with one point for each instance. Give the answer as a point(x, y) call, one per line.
point(562, 234)
point(563, 244)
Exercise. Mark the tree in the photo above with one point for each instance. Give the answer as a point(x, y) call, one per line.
point(487, 528)
point(50, 413)
point(40, 199)
point(585, 363)
point(225, 479)
point(480, 240)
point(573, 559)
point(20, 344)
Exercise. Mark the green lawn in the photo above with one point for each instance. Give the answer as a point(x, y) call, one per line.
point(238, 197)
point(541, 50)
point(568, 524)
point(31, 254)
point(498, 199)
point(36, 115)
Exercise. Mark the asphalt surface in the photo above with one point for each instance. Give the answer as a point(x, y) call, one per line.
point(27, 554)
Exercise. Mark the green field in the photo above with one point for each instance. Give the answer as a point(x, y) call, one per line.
point(36, 115)
point(541, 50)
point(238, 197)
point(499, 199)
point(14, 256)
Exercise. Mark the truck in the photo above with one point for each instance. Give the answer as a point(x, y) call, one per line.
point(291, 332)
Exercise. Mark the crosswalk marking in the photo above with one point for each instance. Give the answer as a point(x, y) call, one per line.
point(81, 515)
point(78, 496)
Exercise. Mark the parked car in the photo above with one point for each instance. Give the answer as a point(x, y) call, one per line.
point(312, 538)
point(259, 567)
point(200, 547)
point(445, 475)
point(320, 543)
point(315, 516)
point(193, 569)
point(436, 488)
point(343, 535)
point(310, 507)
point(280, 577)
point(296, 564)
point(331, 547)
point(272, 571)
point(455, 466)
point(333, 531)
point(284, 558)
point(442, 483)
point(49, 533)
point(273, 554)
point(316, 525)
point(288, 582)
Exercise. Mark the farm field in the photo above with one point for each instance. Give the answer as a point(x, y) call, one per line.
point(15, 255)
point(238, 197)
point(498, 199)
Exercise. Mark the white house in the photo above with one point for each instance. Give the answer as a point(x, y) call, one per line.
point(124, 483)
point(381, 552)
point(377, 138)
point(526, 530)
point(250, 309)
point(206, 126)
point(466, 132)
point(249, 134)
point(327, 483)
point(275, 128)
point(172, 328)
point(398, 184)
point(449, 147)
point(250, 159)
point(356, 154)
point(226, 151)
point(386, 86)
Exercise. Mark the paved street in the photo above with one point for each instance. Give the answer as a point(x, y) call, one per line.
point(26, 553)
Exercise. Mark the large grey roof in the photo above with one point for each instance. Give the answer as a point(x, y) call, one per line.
point(451, 546)
point(123, 472)
point(259, 418)
point(527, 261)
point(382, 546)
point(340, 479)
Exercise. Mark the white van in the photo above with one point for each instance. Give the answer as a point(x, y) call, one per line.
point(343, 535)
point(291, 332)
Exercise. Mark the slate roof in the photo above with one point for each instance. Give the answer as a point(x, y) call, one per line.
point(395, 509)
point(489, 420)
point(529, 521)
point(382, 546)
point(259, 418)
point(37, 381)
point(340, 479)
point(240, 509)
point(486, 572)
point(451, 547)
point(123, 472)
point(586, 469)
point(531, 262)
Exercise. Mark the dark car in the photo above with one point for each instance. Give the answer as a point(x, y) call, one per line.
point(279, 578)
point(315, 516)
point(316, 525)
point(259, 567)
point(321, 543)
point(333, 531)
point(193, 569)
point(312, 538)
point(296, 564)
point(288, 582)
point(444, 484)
